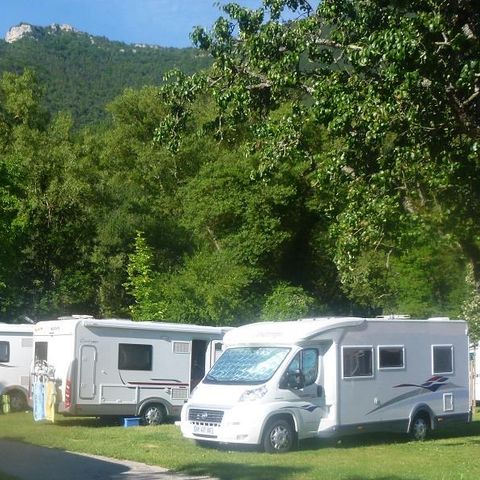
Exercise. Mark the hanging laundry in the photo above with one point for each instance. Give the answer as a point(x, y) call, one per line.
point(50, 400)
point(38, 401)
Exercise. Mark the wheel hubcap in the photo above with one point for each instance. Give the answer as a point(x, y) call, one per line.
point(420, 429)
point(153, 415)
point(280, 438)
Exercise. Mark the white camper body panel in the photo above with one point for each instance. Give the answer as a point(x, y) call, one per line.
point(15, 361)
point(359, 375)
point(119, 367)
point(476, 373)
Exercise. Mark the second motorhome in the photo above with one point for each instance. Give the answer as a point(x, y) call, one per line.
point(123, 368)
point(15, 361)
point(279, 382)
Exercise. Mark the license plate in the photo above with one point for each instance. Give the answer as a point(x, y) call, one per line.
point(203, 430)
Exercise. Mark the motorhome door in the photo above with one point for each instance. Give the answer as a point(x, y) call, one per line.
point(197, 368)
point(88, 360)
point(301, 386)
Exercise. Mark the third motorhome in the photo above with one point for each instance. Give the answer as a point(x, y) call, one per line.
point(278, 382)
point(15, 360)
point(122, 368)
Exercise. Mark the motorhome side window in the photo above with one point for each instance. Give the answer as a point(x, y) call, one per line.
point(305, 361)
point(41, 351)
point(391, 357)
point(442, 359)
point(4, 352)
point(133, 356)
point(357, 362)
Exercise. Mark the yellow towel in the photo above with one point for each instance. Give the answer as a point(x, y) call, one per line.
point(50, 401)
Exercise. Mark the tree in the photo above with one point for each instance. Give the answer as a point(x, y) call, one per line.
point(396, 88)
point(287, 303)
point(45, 230)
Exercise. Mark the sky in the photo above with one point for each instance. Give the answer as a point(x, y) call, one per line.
point(167, 23)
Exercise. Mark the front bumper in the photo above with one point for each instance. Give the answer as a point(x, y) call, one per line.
point(241, 424)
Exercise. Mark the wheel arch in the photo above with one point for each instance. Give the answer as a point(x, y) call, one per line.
point(155, 400)
point(277, 415)
point(17, 389)
point(421, 409)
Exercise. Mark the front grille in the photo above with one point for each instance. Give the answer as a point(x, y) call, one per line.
point(205, 416)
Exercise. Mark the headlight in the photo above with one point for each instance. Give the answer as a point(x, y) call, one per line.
point(254, 394)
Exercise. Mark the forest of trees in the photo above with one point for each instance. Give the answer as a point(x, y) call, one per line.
point(80, 73)
point(328, 164)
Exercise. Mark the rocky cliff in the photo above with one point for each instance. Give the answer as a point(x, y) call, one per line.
point(26, 30)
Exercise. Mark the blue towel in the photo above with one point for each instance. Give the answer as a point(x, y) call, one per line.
point(38, 401)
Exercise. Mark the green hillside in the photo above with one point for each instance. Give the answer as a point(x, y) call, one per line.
point(81, 73)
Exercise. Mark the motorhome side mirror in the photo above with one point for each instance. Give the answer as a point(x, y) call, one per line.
point(295, 380)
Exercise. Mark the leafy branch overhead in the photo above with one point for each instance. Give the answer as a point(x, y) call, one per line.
point(396, 87)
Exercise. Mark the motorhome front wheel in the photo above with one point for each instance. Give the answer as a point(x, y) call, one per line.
point(278, 436)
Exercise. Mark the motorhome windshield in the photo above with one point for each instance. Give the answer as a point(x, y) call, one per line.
point(247, 365)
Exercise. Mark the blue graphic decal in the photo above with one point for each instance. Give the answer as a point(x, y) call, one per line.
point(310, 407)
point(432, 384)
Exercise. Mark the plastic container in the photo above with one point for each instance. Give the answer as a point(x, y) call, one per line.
point(131, 422)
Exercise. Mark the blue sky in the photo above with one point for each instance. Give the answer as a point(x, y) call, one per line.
point(161, 22)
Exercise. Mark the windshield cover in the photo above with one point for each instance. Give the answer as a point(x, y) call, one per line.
point(247, 365)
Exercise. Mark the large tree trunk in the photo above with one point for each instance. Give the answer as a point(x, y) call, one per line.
point(472, 251)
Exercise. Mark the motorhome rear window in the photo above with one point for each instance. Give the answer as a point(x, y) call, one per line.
point(132, 356)
point(4, 352)
point(391, 357)
point(442, 359)
point(247, 365)
point(41, 351)
point(357, 362)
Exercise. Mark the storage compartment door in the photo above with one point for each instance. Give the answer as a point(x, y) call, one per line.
point(88, 361)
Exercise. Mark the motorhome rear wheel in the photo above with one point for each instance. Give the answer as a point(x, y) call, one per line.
point(18, 401)
point(153, 414)
point(419, 429)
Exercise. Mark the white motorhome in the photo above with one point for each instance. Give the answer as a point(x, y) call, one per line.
point(15, 360)
point(279, 382)
point(122, 368)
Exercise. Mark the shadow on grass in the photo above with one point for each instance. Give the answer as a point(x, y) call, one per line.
point(234, 471)
point(227, 471)
point(382, 477)
point(465, 431)
point(97, 422)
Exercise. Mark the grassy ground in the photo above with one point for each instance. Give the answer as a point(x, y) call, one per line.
point(450, 454)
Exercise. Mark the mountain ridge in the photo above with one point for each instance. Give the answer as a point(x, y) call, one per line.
point(81, 73)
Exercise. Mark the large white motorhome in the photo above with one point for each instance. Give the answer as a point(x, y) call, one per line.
point(122, 368)
point(15, 361)
point(280, 382)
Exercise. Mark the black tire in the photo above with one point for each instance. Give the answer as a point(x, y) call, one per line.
point(278, 436)
point(420, 427)
point(18, 401)
point(153, 414)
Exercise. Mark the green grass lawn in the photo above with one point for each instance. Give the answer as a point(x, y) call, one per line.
point(452, 453)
